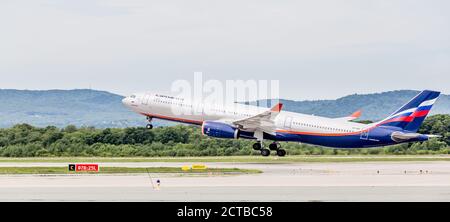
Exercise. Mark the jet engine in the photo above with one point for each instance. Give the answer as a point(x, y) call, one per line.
point(220, 130)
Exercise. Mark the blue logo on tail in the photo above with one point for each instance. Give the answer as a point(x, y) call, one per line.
point(410, 116)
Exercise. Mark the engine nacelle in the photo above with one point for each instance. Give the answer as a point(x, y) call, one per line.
point(220, 130)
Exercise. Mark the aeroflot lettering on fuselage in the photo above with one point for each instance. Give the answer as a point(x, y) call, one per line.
point(169, 97)
point(258, 123)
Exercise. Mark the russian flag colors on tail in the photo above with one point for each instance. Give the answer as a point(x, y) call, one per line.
point(410, 116)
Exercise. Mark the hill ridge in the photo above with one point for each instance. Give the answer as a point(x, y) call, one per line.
point(102, 109)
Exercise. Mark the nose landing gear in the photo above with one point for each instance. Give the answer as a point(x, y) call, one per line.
point(149, 125)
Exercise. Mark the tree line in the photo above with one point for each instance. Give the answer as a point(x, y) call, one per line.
point(27, 141)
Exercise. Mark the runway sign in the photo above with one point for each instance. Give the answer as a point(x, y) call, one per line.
point(72, 167)
point(84, 167)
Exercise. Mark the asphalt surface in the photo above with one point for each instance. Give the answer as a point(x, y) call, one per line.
point(378, 181)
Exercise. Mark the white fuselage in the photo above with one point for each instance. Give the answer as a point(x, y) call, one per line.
point(181, 110)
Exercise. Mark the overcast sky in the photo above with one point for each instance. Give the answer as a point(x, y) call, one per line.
point(317, 49)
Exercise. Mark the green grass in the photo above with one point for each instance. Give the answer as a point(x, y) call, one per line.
point(251, 159)
point(122, 170)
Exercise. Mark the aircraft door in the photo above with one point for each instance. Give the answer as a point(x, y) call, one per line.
point(145, 99)
point(365, 135)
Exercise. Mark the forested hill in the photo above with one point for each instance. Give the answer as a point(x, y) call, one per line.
point(103, 109)
point(63, 107)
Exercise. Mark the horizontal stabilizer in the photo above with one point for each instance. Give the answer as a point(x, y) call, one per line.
point(405, 136)
point(354, 116)
point(402, 137)
point(433, 136)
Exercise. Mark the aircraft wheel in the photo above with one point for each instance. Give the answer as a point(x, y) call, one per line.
point(257, 146)
point(265, 152)
point(149, 126)
point(273, 146)
point(281, 152)
point(279, 145)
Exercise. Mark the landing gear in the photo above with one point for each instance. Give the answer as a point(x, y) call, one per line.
point(150, 125)
point(259, 135)
point(277, 146)
point(265, 152)
point(281, 152)
point(274, 146)
point(257, 146)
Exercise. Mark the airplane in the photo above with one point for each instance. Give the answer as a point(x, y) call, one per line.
point(274, 124)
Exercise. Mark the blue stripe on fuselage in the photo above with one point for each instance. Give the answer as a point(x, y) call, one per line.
point(379, 136)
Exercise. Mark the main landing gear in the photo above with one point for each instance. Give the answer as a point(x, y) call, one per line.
point(149, 125)
point(273, 146)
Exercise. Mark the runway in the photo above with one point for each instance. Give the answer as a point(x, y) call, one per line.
point(378, 181)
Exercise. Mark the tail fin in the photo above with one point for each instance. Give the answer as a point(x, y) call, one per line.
point(412, 114)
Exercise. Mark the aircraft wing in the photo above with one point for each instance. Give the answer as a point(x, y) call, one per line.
point(354, 116)
point(263, 122)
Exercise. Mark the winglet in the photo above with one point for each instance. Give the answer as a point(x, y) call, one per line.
point(356, 114)
point(277, 108)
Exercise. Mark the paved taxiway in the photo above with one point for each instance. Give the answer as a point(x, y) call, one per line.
point(377, 181)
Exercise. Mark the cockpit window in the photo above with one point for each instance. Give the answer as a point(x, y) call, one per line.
point(133, 96)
